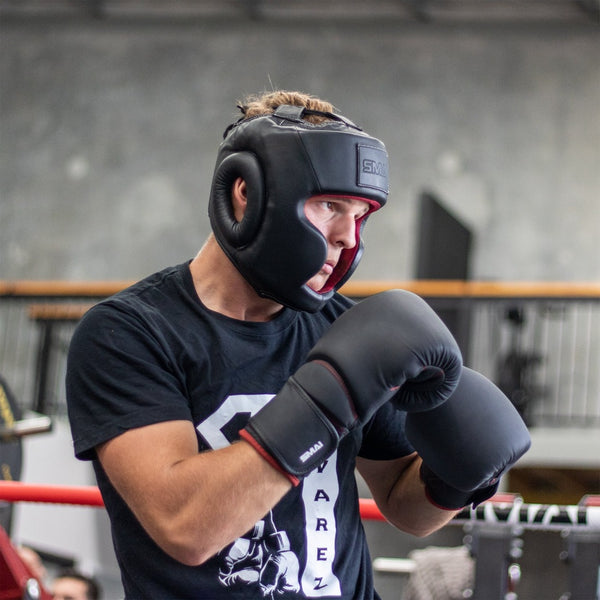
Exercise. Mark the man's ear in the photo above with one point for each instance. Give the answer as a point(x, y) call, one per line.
point(239, 198)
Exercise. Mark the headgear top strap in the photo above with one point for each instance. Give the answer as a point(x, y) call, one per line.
point(295, 114)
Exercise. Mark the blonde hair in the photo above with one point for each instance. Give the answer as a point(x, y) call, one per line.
point(267, 102)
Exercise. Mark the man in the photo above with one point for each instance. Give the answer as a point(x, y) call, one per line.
point(226, 402)
point(70, 584)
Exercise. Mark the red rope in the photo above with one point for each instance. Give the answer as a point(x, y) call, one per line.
point(16, 491)
point(369, 510)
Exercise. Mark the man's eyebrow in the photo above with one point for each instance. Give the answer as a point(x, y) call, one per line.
point(352, 200)
point(363, 203)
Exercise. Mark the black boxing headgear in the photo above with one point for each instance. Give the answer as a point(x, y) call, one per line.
point(285, 160)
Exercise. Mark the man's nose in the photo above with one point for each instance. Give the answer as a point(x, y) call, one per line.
point(344, 231)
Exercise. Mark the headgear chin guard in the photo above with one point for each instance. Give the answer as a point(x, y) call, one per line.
point(286, 160)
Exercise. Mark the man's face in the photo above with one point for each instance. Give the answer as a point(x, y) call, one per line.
point(67, 588)
point(335, 217)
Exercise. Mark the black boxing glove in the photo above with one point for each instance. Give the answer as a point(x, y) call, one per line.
point(467, 443)
point(390, 346)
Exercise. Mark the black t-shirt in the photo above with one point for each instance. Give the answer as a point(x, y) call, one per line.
point(154, 353)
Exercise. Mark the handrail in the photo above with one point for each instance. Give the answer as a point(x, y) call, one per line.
point(58, 312)
point(450, 288)
point(423, 287)
point(55, 288)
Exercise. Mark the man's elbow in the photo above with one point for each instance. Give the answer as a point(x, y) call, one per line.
point(183, 546)
point(417, 528)
point(189, 554)
point(191, 558)
point(421, 532)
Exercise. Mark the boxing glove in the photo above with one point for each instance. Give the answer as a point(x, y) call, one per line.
point(391, 346)
point(467, 443)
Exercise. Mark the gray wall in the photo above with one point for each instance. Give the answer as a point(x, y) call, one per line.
point(109, 131)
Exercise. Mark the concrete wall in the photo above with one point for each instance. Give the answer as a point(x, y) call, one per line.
point(109, 131)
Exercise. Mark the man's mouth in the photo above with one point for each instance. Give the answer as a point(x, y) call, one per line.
point(328, 267)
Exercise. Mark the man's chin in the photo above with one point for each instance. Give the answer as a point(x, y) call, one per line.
point(317, 283)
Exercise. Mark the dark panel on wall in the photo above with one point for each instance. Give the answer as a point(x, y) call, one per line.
point(443, 252)
point(443, 243)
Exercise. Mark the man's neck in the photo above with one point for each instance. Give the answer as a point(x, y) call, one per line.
point(221, 287)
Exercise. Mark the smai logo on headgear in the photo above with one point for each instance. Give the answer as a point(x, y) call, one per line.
point(372, 167)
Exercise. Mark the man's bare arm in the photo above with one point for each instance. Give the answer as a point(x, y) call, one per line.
point(192, 504)
point(400, 494)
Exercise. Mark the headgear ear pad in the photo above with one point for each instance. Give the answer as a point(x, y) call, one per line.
point(244, 165)
point(285, 160)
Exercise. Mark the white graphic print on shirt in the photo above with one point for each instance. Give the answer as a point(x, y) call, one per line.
point(264, 557)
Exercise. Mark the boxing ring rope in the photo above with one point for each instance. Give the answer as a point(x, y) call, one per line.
point(501, 509)
point(16, 491)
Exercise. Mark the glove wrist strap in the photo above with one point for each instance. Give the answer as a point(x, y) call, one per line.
point(446, 497)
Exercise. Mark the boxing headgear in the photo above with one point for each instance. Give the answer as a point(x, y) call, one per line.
point(284, 161)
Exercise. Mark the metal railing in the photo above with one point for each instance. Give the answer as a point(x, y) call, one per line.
point(540, 342)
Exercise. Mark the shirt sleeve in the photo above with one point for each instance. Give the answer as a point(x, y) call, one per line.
point(119, 377)
point(384, 437)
